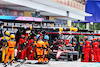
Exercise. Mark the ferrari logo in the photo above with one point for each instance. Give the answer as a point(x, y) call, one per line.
point(95, 45)
point(88, 44)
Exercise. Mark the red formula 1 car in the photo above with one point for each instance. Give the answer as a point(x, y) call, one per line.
point(65, 52)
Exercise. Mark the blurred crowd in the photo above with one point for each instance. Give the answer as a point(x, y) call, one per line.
point(81, 1)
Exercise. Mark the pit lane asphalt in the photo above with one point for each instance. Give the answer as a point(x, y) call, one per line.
point(53, 63)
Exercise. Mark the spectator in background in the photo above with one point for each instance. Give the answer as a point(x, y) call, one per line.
point(78, 1)
point(81, 1)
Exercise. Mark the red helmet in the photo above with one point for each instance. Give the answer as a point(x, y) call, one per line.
point(61, 41)
point(67, 41)
point(98, 38)
point(22, 36)
point(84, 37)
point(70, 44)
point(94, 39)
point(35, 38)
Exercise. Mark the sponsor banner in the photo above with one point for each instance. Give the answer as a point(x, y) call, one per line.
point(21, 13)
point(25, 18)
point(21, 18)
point(71, 3)
point(38, 19)
point(10, 12)
point(15, 13)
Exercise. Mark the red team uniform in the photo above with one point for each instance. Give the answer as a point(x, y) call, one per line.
point(96, 51)
point(87, 51)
